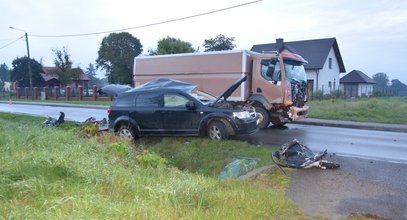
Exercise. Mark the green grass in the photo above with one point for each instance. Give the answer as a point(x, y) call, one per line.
point(54, 173)
point(382, 110)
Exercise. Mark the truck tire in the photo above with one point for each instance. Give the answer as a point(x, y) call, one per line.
point(217, 131)
point(264, 117)
point(127, 133)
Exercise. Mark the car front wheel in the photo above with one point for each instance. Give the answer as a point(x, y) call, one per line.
point(217, 131)
point(127, 133)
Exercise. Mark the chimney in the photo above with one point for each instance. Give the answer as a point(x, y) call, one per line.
point(279, 44)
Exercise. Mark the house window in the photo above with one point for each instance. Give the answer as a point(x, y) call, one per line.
point(330, 63)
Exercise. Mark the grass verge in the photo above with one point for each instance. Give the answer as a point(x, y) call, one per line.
point(382, 110)
point(54, 173)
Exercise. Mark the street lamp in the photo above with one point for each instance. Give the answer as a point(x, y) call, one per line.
point(29, 60)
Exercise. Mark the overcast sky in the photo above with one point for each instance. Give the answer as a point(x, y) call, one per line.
point(372, 34)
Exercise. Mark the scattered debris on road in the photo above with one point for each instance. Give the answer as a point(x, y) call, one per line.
point(53, 122)
point(238, 167)
point(296, 155)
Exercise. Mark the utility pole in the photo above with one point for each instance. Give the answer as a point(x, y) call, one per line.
point(29, 60)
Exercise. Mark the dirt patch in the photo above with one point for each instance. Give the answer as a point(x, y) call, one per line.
point(359, 187)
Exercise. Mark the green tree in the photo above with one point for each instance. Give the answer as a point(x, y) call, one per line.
point(219, 43)
point(116, 55)
point(398, 87)
point(381, 79)
point(19, 72)
point(63, 65)
point(4, 73)
point(170, 45)
point(91, 73)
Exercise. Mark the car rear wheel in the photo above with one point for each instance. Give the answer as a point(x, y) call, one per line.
point(217, 131)
point(127, 133)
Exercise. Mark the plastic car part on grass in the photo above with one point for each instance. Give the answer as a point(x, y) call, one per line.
point(296, 155)
point(53, 122)
point(238, 167)
point(102, 124)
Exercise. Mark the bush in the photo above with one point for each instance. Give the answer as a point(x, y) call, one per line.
point(119, 149)
point(147, 159)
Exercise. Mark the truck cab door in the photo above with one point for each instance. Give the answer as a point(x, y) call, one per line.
point(268, 79)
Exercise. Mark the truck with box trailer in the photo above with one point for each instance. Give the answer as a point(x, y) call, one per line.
point(276, 83)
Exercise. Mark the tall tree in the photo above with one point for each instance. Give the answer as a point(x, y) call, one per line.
point(4, 73)
point(19, 72)
point(398, 87)
point(219, 43)
point(91, 73)
point(116, 55)
point(63, 65)
point(171, 45)
point(381, 79)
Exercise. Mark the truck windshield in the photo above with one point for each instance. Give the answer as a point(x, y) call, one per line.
point(294, 71)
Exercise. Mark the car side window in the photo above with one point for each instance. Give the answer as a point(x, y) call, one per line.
point(174, 100)
point(125, 101)
point(149, 100)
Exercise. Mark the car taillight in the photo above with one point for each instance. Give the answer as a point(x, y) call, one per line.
point(109, 111)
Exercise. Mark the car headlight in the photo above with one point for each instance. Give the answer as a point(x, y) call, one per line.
point(241, 115)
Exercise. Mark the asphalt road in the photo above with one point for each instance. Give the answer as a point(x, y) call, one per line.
point(72, 114)
point(369, 144)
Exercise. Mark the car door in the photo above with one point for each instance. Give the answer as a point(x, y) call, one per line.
point(176, 118)
point(147, 112)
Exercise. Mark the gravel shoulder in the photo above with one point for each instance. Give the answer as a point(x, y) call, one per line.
point(360, 186)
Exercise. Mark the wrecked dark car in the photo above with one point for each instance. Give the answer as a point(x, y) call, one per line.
point(166, 107)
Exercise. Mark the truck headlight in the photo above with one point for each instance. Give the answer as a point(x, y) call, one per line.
point(241, 115)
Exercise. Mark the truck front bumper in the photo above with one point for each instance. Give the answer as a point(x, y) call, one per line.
point(297, 113)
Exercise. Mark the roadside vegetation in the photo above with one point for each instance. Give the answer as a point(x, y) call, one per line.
point(383, 110)
point(71, 173)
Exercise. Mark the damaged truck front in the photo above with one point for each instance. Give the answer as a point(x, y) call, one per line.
point(276, 82)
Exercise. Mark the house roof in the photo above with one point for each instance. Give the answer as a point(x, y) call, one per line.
point(356, 76)
point(47, 74)
point(314, 51)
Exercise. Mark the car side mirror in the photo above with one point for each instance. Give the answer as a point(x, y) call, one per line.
point(190, 105)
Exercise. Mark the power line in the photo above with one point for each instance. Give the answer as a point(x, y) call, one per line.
point(11, 42)
point(148, 25)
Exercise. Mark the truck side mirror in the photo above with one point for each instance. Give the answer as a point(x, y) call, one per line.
point(190, 105)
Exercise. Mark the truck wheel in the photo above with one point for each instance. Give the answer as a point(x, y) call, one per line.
point(264, 117)
point(127, 133)
point(217, 131)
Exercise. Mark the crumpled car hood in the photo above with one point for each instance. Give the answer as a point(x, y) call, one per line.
point(167, 83)
point(225, 95)
point(114, 89)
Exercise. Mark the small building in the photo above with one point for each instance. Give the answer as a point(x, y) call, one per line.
point(356, 84)
point(52, 80)
point(324, 61)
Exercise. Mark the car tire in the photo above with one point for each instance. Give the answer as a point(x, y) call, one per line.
point(264, 117)
point(217, 131)
point(127, 133)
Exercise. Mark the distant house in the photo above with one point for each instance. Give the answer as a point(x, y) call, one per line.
point(324, 60)
point(51, 80)
point(356, 84)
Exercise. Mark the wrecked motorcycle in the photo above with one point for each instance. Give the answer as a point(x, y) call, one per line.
point(53, 122)
point(296, 155)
